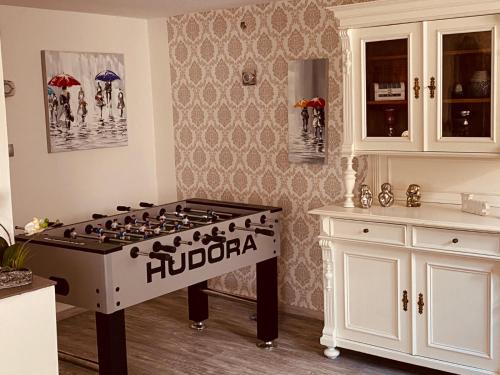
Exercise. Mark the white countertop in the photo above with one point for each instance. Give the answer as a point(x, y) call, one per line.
point(430, 214)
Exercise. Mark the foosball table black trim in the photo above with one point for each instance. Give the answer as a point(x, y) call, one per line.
point(209, 238)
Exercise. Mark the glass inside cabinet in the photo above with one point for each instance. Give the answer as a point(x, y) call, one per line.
point(386, 88)
point(466, 84)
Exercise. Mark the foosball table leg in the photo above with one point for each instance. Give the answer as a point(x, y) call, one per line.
point(198, 305)
point(267, 303)
point(111, 343)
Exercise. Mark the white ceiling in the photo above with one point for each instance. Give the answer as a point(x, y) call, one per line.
point(133, 8)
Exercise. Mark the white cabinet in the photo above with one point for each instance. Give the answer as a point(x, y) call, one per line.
point(420, 78)
point(430, 296)
point(457, 321)
point(377, 279)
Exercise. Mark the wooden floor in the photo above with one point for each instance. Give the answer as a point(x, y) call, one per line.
point(160, 342)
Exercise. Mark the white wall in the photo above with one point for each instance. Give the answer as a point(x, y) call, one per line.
point(162, 110)
point(72, 185)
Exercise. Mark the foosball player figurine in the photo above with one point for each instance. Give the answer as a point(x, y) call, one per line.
point(121, 234)
point(99, 230)
point(185, 221)
point(73, 234)
point(114, 224)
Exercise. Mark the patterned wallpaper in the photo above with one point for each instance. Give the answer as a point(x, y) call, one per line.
point(231, 141)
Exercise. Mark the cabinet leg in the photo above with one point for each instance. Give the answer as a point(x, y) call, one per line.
point(331, 353)
point(267, 303)
point(111, 343)
point(198, 305)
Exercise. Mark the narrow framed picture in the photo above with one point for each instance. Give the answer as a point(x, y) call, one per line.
point(307, 110)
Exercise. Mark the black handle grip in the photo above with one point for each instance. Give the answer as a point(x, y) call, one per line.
point(123, 208)
point(98, 216)
point(157, 246)
point(161, 256)
point(178, 240)
point(208, 238)
point(54, 224)
point(146, 205)
point(265, 232)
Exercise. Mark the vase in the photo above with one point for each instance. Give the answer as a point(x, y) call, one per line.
point(480, 84)
point(390, 120)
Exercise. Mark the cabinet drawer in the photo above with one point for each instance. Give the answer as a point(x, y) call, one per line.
point(457, 240)
point(369, 231)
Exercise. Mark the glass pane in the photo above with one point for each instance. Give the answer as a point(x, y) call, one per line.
point(466, 92)
point(387, 88)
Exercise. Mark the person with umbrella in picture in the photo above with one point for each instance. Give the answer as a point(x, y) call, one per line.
point(53, 104)
point(121, 102)
point(82, 105)
point(318, 122)
point(304, 114)
point(109, 90)
point(64, 81)
point(64, 100)
point(99, 99)
point(108, 76)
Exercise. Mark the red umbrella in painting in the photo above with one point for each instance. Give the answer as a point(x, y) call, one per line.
point(317, 103)
point(63, 80)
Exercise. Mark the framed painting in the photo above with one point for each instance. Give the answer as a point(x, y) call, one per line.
point(85, 100)
point(307, 109)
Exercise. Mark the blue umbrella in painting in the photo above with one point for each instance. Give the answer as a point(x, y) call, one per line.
point(107, 77)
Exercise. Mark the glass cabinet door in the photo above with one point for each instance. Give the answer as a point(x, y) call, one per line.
point(460, 85)
point(390, 104)
point(386, 91)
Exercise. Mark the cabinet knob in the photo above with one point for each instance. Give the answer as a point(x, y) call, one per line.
point(455, 240)
point(366, 230)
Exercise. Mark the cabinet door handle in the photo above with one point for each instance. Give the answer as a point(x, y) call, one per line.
point(416, 88)
point(420, 303)
point(455, 240)
point(366, 230)
point(405, 300)
point(432, 87)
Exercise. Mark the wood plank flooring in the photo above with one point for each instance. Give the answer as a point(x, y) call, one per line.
point(159, 341)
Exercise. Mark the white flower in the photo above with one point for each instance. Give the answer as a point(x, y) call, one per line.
point(33, 227)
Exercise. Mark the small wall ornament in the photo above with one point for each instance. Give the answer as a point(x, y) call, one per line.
point(386, 196)
point(365, 196)
point(413, 196)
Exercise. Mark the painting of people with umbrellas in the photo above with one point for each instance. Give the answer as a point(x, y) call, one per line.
point(85, 100)
point(307, 93)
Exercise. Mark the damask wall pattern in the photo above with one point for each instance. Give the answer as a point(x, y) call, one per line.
point(231, 140)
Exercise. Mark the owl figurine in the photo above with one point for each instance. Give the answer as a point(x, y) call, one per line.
point(365, 196)
point(413, 196)
point(386, 196)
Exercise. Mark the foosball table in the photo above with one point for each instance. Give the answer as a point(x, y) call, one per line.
point(113, 262)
